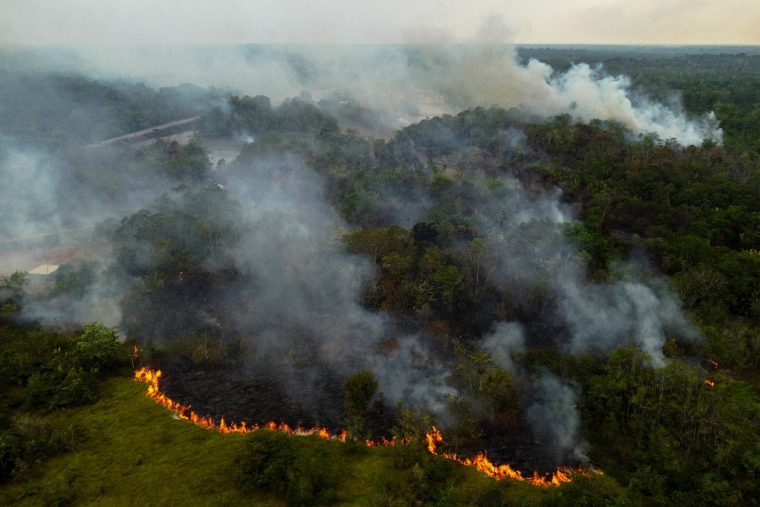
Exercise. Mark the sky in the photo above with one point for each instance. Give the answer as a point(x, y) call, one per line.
point(74, 22)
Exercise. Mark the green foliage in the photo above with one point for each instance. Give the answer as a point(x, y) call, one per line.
point(266, 460)
point(691, 437)
point(29, 440)
point(97, 349)
point(255, 115)
point(359, 389)
point(411, 428)
point(188, 161)
point(273, 460)
point(70, 281)
point(15, 282)
point(314, 477)
point(12, 292)
point(58, 370)
point(429, 481)
point(594, 491)
point(488, 393)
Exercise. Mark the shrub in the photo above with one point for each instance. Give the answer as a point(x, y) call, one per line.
point(312, 480)
point(272, 460)
point(265, 461)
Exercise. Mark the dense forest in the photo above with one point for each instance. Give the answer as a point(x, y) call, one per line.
point(492, 272)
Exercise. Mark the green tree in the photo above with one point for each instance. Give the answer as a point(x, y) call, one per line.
point(359, 389)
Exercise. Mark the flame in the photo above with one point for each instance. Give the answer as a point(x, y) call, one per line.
point(709, 383)
point(715, 364)
point(434, 437)
point(499, 472)
point(186, 413)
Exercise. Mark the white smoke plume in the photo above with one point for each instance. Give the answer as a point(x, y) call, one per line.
point(404, 83)
point(490, 73)
point(506, 339)
point(605, 316)
point(28, 193)
point(302, 290)
point(555, 419)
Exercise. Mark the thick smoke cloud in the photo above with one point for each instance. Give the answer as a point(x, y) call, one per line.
point(300, 277)
point(50, 216)
point(530, 253)
point(302, 291)
point(408, 82)
point(100, 301)
point(532, 261)
point(605, 316)
point(490, 72)
point(29, 190)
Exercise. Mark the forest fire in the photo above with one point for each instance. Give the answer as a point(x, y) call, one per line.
point(434, 437)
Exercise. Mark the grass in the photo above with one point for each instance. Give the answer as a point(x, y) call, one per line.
point(133, 452)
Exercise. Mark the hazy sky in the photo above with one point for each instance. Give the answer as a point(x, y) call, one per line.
point(378, 21)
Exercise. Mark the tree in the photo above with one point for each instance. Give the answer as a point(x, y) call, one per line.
point(15, 282)
point(359, 389)
point(12, 291)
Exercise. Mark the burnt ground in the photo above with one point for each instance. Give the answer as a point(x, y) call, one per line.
point(313, 396)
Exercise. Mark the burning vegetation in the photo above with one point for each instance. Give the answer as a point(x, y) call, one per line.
point(433, 438)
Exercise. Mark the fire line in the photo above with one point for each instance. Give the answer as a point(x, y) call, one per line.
point(434, 437)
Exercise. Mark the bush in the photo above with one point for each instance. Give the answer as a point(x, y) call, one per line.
point(359, 389)
point(60, 370)
point(29, 440)
point(98, 349)
point(312, 480)
point(79, 387)
point(265, 461)
point(272, 460)
point(597, 490)
point(493, 497)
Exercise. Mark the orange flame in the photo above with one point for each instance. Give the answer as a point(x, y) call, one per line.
point(710, 383)
point(499, 472)
point(185, 413)
point(434, 437)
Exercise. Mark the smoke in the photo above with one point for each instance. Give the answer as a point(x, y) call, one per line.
point(489, 73)
point(555, 419)
point(413, 374)
point(299, 277)
point(98, 301)
point(605, 316)
point(405, 83)
point(506, 339)
point(29, 190)
point(302, 291)
point(526, 252)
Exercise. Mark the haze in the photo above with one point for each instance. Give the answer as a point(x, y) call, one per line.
point(46, 22)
